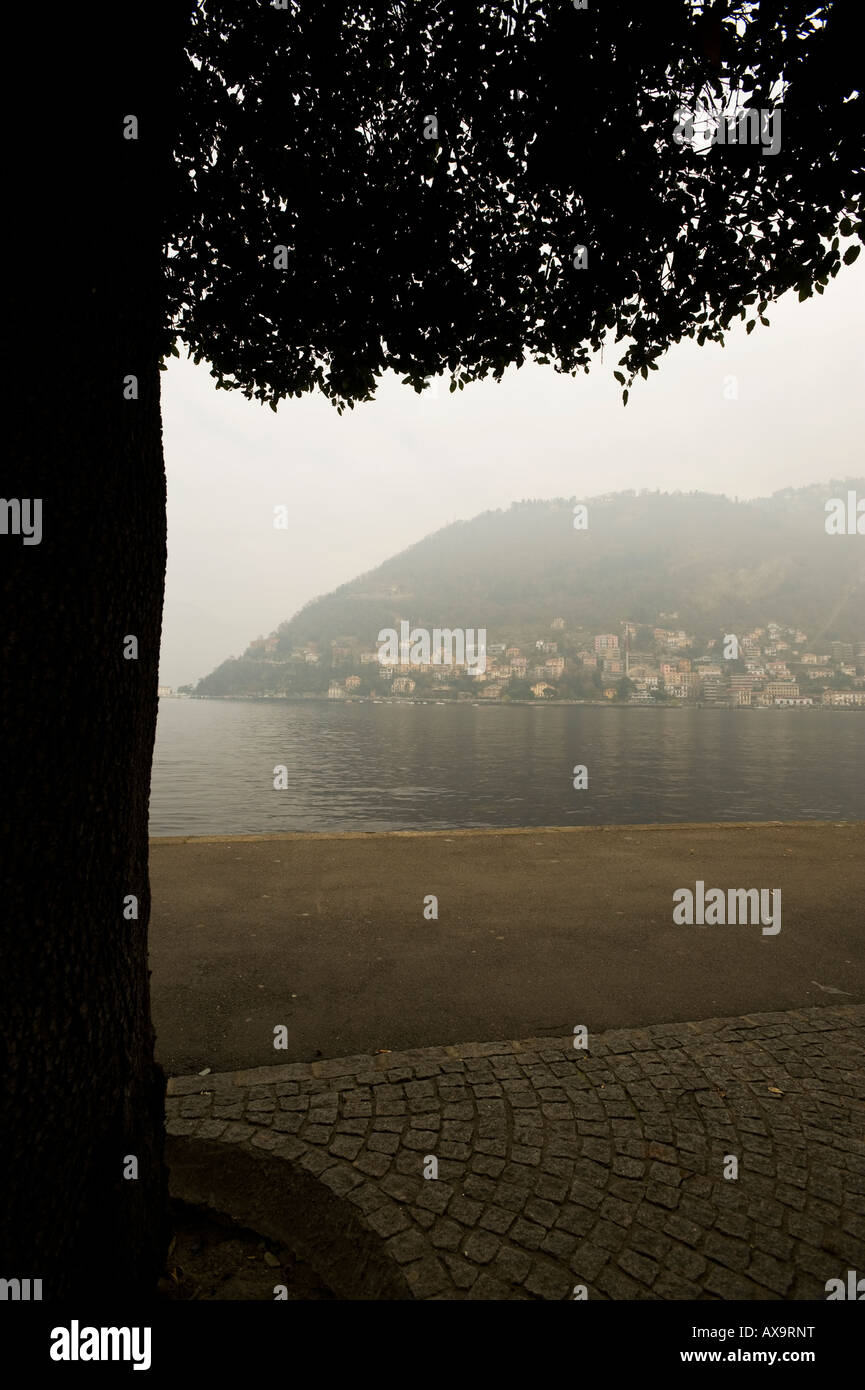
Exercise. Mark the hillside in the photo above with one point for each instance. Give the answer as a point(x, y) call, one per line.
point(716, 564)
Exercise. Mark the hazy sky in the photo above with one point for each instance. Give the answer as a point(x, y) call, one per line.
point(362, 486)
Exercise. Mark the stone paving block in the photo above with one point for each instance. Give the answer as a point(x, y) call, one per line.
point(427, 1277)
point(511, 1265)
point(401, 1187)
point(616, 1283)
point(195, 1107)
point(392, 1124)
point(445, 1148)
point(481, 1189)
point(352, 1126)
point(459, 1110)
point(407, 1246)
point(287, 1123)
point(542, 1212)
point(489, 1288)
point(603, 1168)
point(237, 1132)
point(548, 1281)
point(511, 1195)
point(316, 1162)
point(770, 1273)
point(846, 1247)
point(640, 1267)
point(425, 1219)
point(484, 1163)
point(559, 1244)
point(730, 1253)
point(462, 1273)
point(496, 1219)
point(465, 1209)
point(228, 1110)
point(211, 1129)
point(527, 1234)
point(181, 1127)
point(368, 1198)
point(422, 1141)
point(374, 1164)
point(608, 1235)
point(727, 1284)
point(576, 1220)
point(447, 1234)
point(341, 1180)
point(317, 1134)
point(648, 1242)
point(289, 1148)
point(345, 1145)
point(380, 1143)
point(434, 1195)
point(480, 1246)
point(383, 1107)
point(670, 1286)
point(732, 1223)
point(520, 1153)
point(585, 1195)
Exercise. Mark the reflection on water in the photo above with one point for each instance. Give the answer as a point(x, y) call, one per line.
point(416, 767)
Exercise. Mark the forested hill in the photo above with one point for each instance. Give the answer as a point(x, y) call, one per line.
point(713, 562)
point(709, 559)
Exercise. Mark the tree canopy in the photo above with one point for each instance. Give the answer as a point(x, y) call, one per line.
point(370, 186)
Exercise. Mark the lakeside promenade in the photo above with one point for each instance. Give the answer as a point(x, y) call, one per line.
point(560, 1172)
point(538, 931)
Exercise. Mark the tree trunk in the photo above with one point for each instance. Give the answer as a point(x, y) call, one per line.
point(81, 1094)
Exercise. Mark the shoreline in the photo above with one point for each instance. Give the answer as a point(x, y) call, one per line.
point(495, 831)
point(481, 703)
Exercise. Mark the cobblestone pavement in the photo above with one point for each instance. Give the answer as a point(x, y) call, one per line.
point(601, 1167)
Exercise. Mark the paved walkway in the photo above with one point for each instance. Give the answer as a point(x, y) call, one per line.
point(537, 929)
point(560, 1167)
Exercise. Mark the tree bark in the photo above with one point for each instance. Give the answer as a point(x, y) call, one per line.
point(81, 1093)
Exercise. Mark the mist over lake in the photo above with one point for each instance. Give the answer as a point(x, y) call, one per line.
point(460, 766)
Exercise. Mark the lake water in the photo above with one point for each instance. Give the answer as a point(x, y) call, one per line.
point(431, 767)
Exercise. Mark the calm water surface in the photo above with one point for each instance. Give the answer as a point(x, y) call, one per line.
point(431, 767)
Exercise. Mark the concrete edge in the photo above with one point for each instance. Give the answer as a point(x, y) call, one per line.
point(336, 1067)
point(275, 1197)
point(492, 833)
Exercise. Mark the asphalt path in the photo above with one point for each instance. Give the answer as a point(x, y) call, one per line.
point(538, 931)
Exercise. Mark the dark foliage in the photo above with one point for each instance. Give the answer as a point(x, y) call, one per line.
point(305, 129)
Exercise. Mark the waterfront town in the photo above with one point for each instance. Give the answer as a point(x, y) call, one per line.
point(771, 666)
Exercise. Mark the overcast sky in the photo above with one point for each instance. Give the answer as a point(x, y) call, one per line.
point(362, 486)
